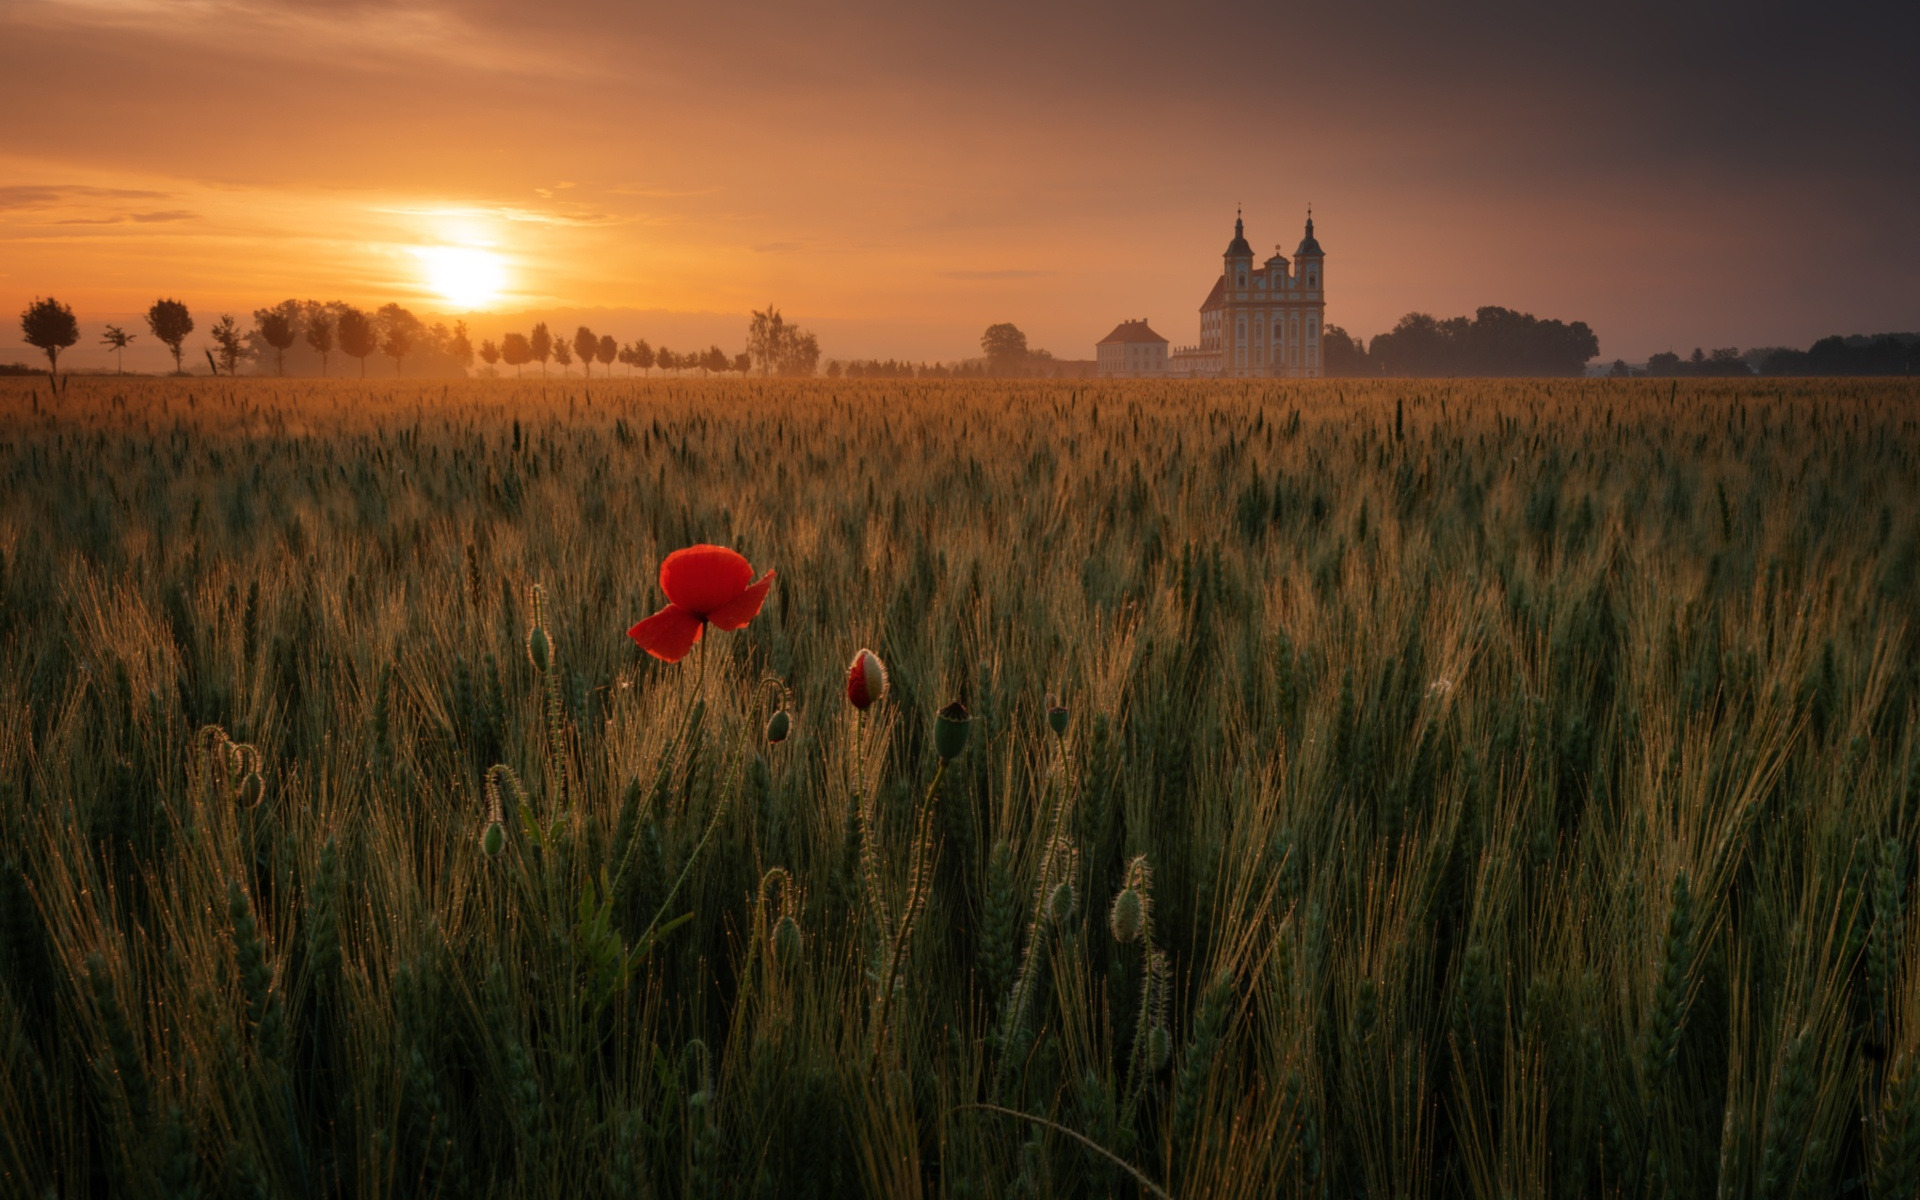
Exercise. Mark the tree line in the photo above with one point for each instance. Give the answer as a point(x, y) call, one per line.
point(1494, 341)
point(1880, 354)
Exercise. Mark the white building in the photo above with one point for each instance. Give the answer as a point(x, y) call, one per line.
point(1131, 351)
point(1260, 322)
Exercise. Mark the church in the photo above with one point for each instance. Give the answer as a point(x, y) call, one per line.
point(1258, 322)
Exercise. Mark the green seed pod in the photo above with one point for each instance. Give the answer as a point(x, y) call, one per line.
point(778, 727)
point(1125, 919)
point(950, 729)
point(1057, 715)
point(1159, 1047)
point(539, 648)
point(494, 840)
point(788, 944)
point(1061, 904)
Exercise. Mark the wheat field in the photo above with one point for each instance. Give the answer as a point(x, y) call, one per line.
point(1411, 789)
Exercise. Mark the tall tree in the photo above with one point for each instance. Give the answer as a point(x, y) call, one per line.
point(1005, 347)
point(117, 339)
point(665, 359)
point(357, 337)
point(562, 354)
point(766, 339)
point(320, 337)
point(277, 330)
point(460, 346)
point(400, 331)
point(585, 345)
point(607, 351)
point(231, 342)
point(489, 353)
point(643, 356)
point(743, 362)
point(170, 322)
point(48, 325)
point(516, 351)
point(541, 343)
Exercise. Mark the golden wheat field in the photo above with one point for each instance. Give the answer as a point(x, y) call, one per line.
point(1363, 789)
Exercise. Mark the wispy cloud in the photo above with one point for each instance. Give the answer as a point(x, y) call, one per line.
point(33, 196)
point(139, 218)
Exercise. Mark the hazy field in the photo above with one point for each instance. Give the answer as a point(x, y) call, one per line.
point(1517, 784)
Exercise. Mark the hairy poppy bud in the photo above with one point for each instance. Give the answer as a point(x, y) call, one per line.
point(1061, 904)
point(788, 944)
point(539, 648)
point(1126, 917)
point(1159, 1047)
point(1057, 717)
point(866, 680)
point(493, 840)
point(779, 726)
point(950, 730)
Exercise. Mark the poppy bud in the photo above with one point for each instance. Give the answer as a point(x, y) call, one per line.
point(778, 727)
point(1057, 717)
point(493, 840)
point(788, 944)
point(1159, 1047)
point(539, 648)
point(866, 680)
point(1125, 919)
point(1061, 904)
point(950, 731)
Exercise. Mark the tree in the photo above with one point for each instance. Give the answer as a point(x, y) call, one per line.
point(766, 339)
point(170, 322)
point(665, 358)
point(714, 359)
point(643, 356)
point(802, 355)
point(489, 353)
point(516, 351)
point(117, 339)
point(459, 347)
point(320, 337)
point(1619, 370)
point(563, 354)
point(49, 326)
point(357, 338)
point(607, 351)
point(1341, 354)
point(277, 330)
point(400, 330)
point(541, 344)
point(230, 341)
point(585, 345)
point(1005, 347)
point(743, 362)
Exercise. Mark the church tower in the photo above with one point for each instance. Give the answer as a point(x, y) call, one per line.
point(1237, 278)
point(1309, 267)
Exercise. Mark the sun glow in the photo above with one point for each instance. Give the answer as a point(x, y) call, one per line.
point(466, 277)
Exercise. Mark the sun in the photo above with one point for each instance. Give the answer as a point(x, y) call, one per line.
point(466, 277)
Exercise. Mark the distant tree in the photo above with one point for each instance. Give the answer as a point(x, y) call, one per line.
point(833, 368)
point(542, 345)
point(585, 345)
point(1664, 365)
point(607, 351)
point(170, 323)
point(117, 339)
point(277, 330)
point(1005, 347)
point(489, 353)
point(320, 338)
point(713, 358)
point(459, 346)
point(562, 354)
point(802, 354)
point(1619, 370)
point(666, 359)
point(516, 351)
point(229, 342)
point(48, 325)
point(1342, 354)
point(766, 339)
point(1496, 341)
point(743, 362)
point(643, 356)
point(400, 331)
point(357, 337)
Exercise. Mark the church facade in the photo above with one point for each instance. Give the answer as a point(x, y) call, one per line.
point(1260, 321)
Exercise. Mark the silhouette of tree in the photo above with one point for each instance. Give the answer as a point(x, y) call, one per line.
point(320, 337)
point(48, 325)
point(542, 345)
point(1496, 341)
point(227, 336)
point(766, 339)
point(400, 331)
point(459, 346)
point(607, 351)
point(743, 362)
point(1005, 347)
point(357, 338)
point(489, 353)
point(1341, 354)
point(118, 339)
point(585, 344)
point(665, 358)
point(276, 326)
point(643, 357)
point(563, 354)
point(516, 351)
point(170, 323)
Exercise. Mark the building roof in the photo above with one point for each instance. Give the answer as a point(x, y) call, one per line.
point(1131, 331)
point(1213, 299)
point(1307, 244)
point(1238, 246)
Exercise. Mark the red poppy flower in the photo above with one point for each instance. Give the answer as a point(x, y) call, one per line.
point(704, 585)
point(866, 679)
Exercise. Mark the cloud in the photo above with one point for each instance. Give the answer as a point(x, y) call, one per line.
point(27, 197)
point(140, 218)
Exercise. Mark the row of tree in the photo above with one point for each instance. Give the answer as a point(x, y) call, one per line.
point(1495, 341)
point(1881, 354)
point(516, 350)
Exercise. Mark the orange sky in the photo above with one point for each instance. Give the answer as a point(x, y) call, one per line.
point(899, 176)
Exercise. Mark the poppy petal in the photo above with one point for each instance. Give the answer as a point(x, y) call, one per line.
point(702, 578)
point(667, 634)
point(742, 608)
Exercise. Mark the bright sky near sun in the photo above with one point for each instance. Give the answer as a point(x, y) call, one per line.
point(897, 177)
